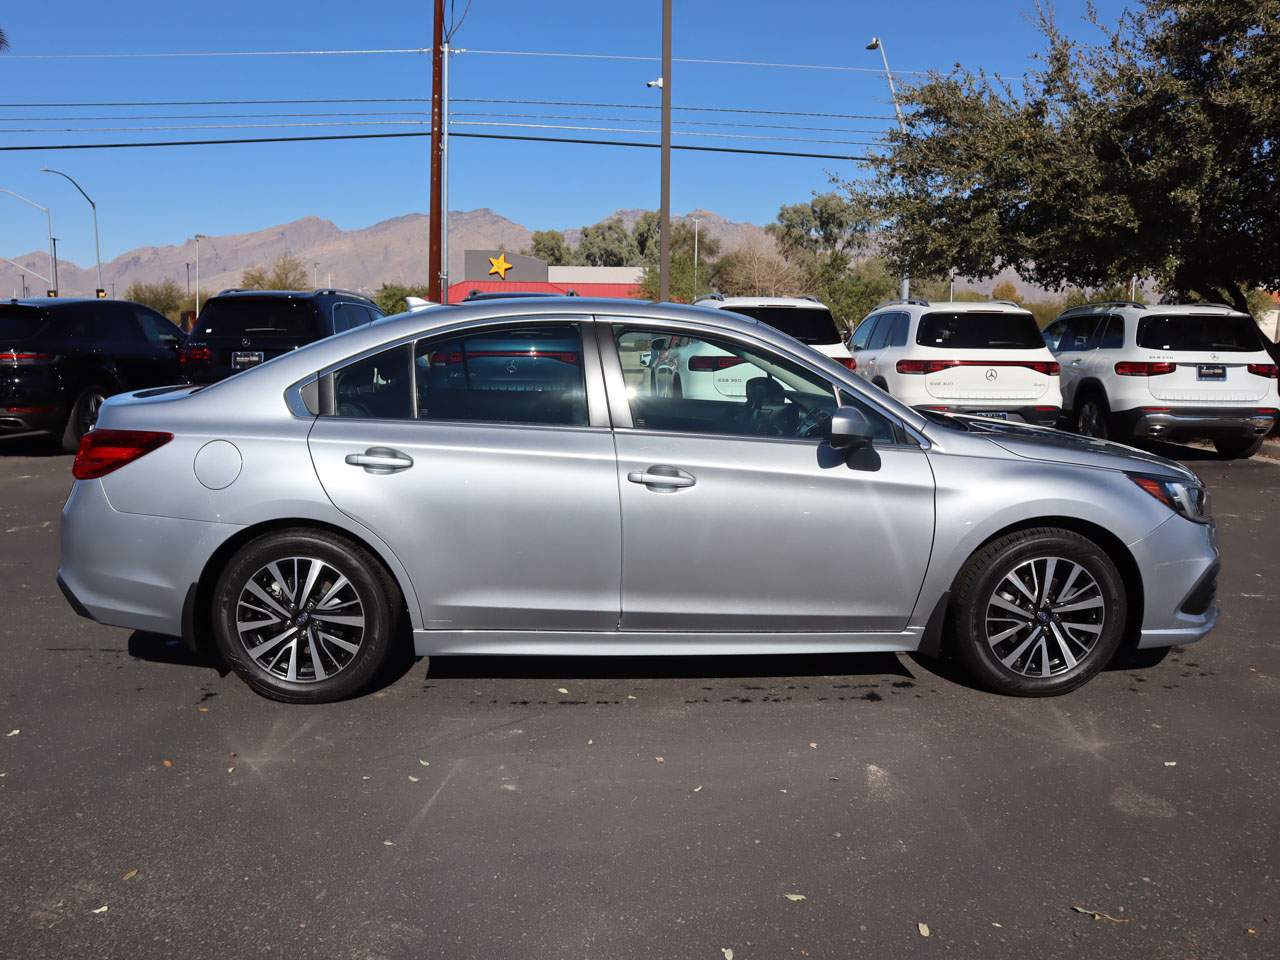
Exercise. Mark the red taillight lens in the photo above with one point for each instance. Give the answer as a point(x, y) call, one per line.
point(1265, 370)
point(849, 362)
point(916, 366)
point(25, 358)
point(1049, 368)
point(1141, 368)
point(27, 409)
point(194, 353)
point(102, 451)
point(713, 363)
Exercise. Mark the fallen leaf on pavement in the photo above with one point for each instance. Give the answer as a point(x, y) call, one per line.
point(167, 763)
point(698, 788)
point(812, 745)
point(13, 733)
point(590, 742)
point(202, 709)
point(130, 874)
point(630, 697)
point(728, 953)
point(1097, 914)
point(795, 897)
point(1000, 925)
point(413, 779)
point(101, 909)
point(661, 759)
point(424, 763)
point(231, 769)
point(923, 928)
point(1171, 763)
point(387, 843)
point(562, 690)
point(366, 778)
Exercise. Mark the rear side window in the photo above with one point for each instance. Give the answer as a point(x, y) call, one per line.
point(517, 374)
point(19, 323)
point(880, 336)
point(975, 330)
point(812, 325)
point(159, 331)
point(1199, 332)
point(348, 315)
point(114, 323)
point(268, 316)
point(376, 388)
point(898, 333)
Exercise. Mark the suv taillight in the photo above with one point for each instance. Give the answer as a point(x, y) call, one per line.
point(850, 362)
point(1265, 370)
point(102, 451)
point(1143, 368)
point(1048, 367)
point(25, 358)
point(192, 353)
point(706, 364)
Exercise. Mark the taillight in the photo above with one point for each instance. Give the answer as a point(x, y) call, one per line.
point(713, 363)
point(27, 410)
point(849, 362)
point(1264, 370)
point(194, 353)
point(1050, 368)
point(26, 358)
point(102, 451)
point(1143, 368)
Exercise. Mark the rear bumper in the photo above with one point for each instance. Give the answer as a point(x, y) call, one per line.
point(1187, 422)
point(1040, 416)
point(50, 420)
point(1179, 563)
point(130, 570)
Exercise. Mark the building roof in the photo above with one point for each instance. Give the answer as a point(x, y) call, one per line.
point(629, 291)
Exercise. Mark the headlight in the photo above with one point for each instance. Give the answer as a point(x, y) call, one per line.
point(1187, 499)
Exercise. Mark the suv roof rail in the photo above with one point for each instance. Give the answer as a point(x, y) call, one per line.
point(709, 296)
point(913, 301)
point(1009, 303)
point(1105, 303)
point(345, 293)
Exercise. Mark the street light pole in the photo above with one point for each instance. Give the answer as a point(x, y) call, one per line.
point(97, 247)
point(315, 274)
point(188, 278)
point(54, 241)
point(53, 256)
point(696, 222)
point(198, 238)
point(878, 44)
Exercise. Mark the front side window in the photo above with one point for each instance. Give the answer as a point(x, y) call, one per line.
point(1199, 332)
point(515, 374)
point(979, 330)
point(862, 335)
point(159, 331)
point(715, 386)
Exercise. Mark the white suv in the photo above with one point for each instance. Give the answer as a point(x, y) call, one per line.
point(685, 367)
point(983, 358)
point(1175, 372)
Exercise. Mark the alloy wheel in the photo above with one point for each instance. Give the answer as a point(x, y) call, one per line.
point(1044, 617)
point(300, 619)
point(1089, 422)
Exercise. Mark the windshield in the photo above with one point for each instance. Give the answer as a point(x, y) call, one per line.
point(972, 330)
point(19, 323)
point(812, 325)
point(1199, 332)
point(243, 316)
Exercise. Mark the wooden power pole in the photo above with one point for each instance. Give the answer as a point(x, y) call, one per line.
point(664, 203)
point(434, 266)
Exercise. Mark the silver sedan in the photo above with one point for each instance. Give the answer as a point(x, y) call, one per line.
point(502, 478)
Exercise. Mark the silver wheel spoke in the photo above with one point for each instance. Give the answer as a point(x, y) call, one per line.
point(243, 625)
point(262, 648)
point(340, 644)
point(1089, 604)
point(1047, 580)
point(1045, 616)
point(1069, 582)
point(312, 573)
point(333, 591)
point(1006, 634)
point(266, 598)
point(1014, 579)
point(1010, 660)
point(293, 661)
point(1064, 646)
point(316, 665)
point(1003, 604)
point(333, 618)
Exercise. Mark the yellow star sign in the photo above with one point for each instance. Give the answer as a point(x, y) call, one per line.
point(500, 265)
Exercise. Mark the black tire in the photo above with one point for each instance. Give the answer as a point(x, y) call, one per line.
point(976, 588)
point(1092, 417)
point(83, 414)
point(1238, 448)
point(378, 600)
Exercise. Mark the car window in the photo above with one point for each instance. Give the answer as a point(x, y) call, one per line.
point(114, 323)
point(239, 316)
point(374, 313)
point(510, 374)
point(975, 329)
point(880, 336)
point(719, 386)
point(1081, 331)
point(158, 331)
point(378, 387)
point(1055, 334)
point(1112, 334)
point(1199, 332)
point(865, 329)
point(813, 325)
point(348, 315)
point(898, 333)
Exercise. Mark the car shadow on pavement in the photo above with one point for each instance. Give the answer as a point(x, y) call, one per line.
point(158, 648)
point(30, 445)
point(666, 667)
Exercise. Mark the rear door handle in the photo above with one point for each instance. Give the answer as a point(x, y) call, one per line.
point(380, 460)
point(662, 476)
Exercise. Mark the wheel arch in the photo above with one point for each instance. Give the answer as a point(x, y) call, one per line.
point(196, 624)
point(1089, 387)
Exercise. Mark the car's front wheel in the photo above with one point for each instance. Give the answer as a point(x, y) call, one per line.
point(1038, 612)
point(304, 616)
point(1091, 418)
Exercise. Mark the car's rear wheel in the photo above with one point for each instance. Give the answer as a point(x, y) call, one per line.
point(83, 416)
point(1038, 612)
point(1238, 448)
point(1091, 418)
point(304, 616)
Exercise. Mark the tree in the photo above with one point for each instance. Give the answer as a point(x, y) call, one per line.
point(756, 269)
point(550, 247)
point(287, 273)
point(390, 297)
point(165, 297)
point(4, 41)
point(681, 277)
point(607, 244)
point(1005, 290)
point(1153, 153)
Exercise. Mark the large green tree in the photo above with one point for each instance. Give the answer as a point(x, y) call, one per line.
point(1154, 152)
point(287, 273)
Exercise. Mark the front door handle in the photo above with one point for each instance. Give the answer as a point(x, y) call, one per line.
point(662, 477)
point(380, 460)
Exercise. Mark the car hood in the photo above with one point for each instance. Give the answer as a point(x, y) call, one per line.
point(1045, 443)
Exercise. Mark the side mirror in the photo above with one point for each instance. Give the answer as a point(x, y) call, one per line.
point(850, 429)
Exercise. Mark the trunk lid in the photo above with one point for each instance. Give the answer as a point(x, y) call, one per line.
point(1211, 354)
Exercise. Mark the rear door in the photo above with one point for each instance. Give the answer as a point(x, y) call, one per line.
point(1211, 354)
point(485, 460)
point(120, 341)
point(739, 516)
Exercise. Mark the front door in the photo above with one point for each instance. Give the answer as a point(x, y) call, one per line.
point(738, 516)
point(475, 458)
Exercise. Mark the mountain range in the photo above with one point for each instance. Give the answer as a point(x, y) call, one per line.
point(390, 251)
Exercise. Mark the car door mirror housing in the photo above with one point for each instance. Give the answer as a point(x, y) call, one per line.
point(850, 429)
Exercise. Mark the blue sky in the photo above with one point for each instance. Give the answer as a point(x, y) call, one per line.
point(164, 195)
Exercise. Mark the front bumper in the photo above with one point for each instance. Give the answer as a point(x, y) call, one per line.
point(1179, 563)
point(1184, 423)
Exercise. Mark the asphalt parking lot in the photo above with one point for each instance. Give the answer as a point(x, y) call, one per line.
point(151, 806)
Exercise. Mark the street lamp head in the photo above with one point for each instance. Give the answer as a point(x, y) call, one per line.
point(655, 83)
point(874, 44)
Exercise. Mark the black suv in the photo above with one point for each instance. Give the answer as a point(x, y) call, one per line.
point(238, 329)
point(59, 359)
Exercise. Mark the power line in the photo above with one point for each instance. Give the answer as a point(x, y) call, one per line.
point(650, 106)
point(737, 124)
point(212, 103)
point(699, 60)
point(697, 148)
point(687, 133)
point(218, 116)
point(172, 55)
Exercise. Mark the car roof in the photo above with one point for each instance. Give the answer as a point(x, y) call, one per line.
point(1132, 307)
point(729, 303)
point(47, 303)
point(233, 293)
point(961, 306)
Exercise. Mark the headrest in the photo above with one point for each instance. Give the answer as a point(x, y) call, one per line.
point(765, 391)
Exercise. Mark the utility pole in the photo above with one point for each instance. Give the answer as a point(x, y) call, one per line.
point(53, 267)
point(696, 222)
point(437, 129)
point(315, 274)
point(54, 241)
point(444, 175)
point(99, 291)
point(188, 278)
point(198, 238)
point(664, 205)
point(877, 44)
